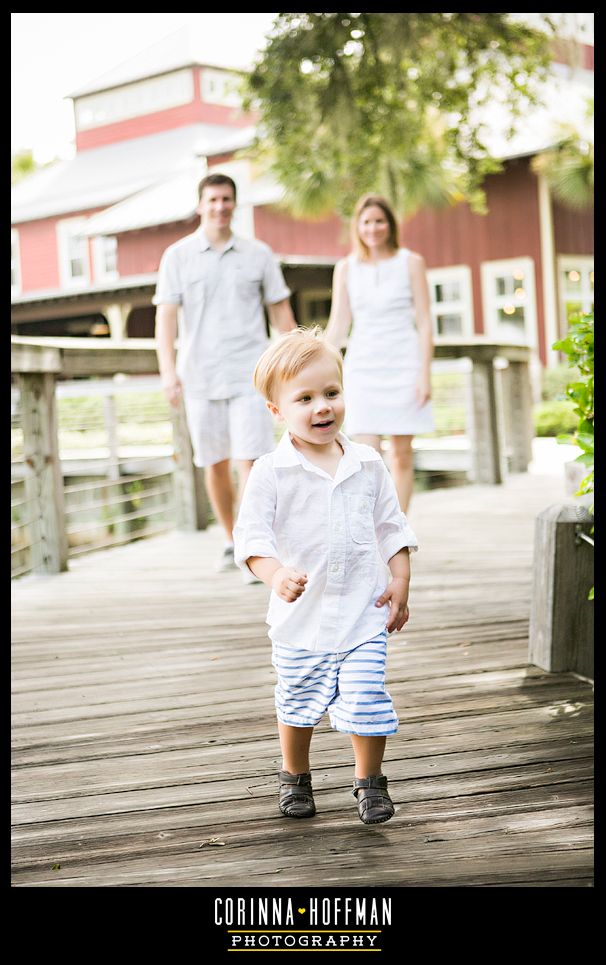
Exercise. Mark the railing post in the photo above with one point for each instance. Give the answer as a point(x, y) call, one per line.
point(486, 434)
point(561, 616)
point(43, 477)
point(190, 495)
point(518, 413)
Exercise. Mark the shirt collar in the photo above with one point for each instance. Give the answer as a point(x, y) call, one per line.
point(285, 455)
point(205, 244)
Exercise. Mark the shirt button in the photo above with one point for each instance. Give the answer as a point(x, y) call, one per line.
point(335, 567)
point(364, 506)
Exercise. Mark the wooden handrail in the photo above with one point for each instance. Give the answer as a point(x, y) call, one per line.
point(70, 357)
point(39, 362)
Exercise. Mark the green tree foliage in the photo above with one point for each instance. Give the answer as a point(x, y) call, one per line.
point(568, 168)
point(22, 164)
point(354, 102)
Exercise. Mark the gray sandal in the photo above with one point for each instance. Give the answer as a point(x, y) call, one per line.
point(374, 802)
point(296, 795)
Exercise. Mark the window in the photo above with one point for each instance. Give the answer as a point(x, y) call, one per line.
point(314, 307)
point(15, 263)
point(74, 269)
point(508, 294)
point(219, 87)
point(134, 100)
point(451, 301)
point(105, 252)
point(575, 282)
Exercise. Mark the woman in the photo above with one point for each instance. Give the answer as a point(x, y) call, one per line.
point(382, 289)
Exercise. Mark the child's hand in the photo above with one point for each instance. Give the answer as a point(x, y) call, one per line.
point(397, 595)
point(288, 584)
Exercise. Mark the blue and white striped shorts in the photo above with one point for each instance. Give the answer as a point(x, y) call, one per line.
point(349, 685)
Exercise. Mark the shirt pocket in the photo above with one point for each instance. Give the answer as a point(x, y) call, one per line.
point(360, 518)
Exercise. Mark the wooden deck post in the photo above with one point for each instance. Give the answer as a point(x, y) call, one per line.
point(518, 414)
point(117, 317)
point(561, 617)
point(43, 479)
point(485, 424)
point(190, 495)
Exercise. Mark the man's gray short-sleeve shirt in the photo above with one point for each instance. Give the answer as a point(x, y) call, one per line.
point(222, 330)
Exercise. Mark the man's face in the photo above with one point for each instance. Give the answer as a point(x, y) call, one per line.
point(217, 205)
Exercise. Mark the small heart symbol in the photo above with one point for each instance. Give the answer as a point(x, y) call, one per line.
point(301, 910)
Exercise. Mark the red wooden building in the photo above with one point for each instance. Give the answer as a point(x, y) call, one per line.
point(87, 233)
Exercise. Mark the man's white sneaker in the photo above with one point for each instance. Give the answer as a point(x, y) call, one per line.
point(226, 562)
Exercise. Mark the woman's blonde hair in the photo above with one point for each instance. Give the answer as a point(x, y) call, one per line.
point(368, 201)
point(288, 355)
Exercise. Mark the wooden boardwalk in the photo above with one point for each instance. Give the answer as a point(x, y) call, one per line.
point(145, 747)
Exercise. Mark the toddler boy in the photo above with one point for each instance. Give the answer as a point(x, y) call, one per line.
point(318, 523)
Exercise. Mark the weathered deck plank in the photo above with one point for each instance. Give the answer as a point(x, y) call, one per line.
point(143, 723)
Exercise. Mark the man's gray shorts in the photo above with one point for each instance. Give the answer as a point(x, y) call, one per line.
point(237, 428)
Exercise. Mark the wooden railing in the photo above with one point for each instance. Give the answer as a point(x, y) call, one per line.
point(37, 364)
point(499, 408)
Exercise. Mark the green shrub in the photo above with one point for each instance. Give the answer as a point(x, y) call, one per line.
point(554, 382)
point(578, 346)
point(554, 417)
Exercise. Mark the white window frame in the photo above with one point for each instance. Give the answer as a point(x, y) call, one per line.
point(135, 100)
point(585, 263)
point(309, 295)
point(15, 262)
point(491, 302)
point(66, 229)
point(214, 87)
point(462, 306)
point(101, 274)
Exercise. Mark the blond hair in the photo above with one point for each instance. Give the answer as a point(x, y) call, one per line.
point(288, 355)
point(370, 201)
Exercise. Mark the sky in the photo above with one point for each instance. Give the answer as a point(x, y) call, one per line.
point(53, 54)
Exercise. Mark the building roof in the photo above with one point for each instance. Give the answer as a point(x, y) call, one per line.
point(171, 200)
point(105, 175)
point(565, 102)
point(157, 170)
point(174, 198)
point(183, 48)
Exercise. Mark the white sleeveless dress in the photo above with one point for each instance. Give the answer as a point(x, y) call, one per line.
point(383, 361)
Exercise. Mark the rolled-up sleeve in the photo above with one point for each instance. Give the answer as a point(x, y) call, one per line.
point(254, 532)
point(275, 288)
point(391, 526)
point(168, 288)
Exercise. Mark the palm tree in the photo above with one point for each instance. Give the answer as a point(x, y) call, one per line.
point(568, 167)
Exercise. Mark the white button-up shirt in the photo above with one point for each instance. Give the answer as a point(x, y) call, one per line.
point(340, 532)
point(222, 330)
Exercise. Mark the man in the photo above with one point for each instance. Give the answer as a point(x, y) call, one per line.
point(221, 282)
